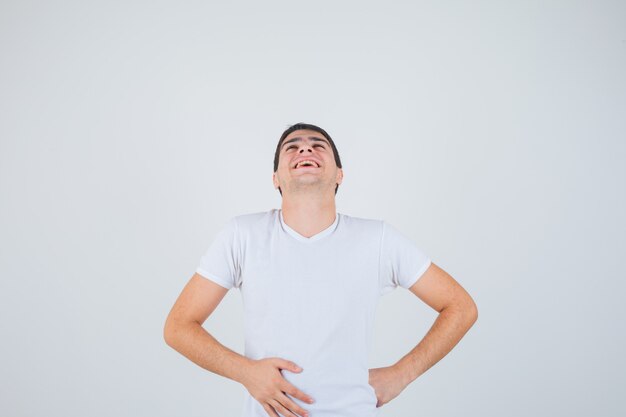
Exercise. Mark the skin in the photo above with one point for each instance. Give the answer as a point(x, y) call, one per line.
point(457, 314)
point(308, 203)
point(308, 206)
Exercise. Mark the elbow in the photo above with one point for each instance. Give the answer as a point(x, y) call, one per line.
point(471, 310)
point(167, 335)
point(466, 308)
point(169, 332)
point(175, 328)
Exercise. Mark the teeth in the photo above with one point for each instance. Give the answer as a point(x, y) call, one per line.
point(307, 162)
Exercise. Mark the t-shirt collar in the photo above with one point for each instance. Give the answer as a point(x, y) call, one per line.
point(313, 238)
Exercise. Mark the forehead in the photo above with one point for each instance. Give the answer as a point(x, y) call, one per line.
point(304, 135)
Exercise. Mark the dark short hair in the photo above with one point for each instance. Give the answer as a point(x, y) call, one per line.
point(307, 126)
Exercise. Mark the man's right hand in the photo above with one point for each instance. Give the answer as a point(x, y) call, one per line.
point(268, 386)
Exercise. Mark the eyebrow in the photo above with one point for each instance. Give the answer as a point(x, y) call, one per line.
point(299, 139)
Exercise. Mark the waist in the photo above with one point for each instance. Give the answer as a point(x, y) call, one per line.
point(342, 393)
point(331, 400)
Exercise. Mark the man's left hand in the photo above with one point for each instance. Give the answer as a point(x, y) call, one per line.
point(386, 383)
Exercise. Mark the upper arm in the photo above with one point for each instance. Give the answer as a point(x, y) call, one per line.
point(439, 290)
point(197, 301)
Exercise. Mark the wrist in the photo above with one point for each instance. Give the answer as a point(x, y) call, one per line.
point(405, 372)
point(242, 368)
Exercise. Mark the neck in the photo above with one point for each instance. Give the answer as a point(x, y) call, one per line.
point(307, 214)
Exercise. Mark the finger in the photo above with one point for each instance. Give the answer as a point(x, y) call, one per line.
point(293, 406)
point(288, 365)
point(281, 409)
point(270, 411)
point(296, 393)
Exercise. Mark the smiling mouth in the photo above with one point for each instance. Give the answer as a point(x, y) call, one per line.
point(309, 164)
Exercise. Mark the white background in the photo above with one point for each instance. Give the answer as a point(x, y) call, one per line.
point(491, 133)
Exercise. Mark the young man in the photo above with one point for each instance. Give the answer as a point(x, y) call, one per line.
point(310, 279)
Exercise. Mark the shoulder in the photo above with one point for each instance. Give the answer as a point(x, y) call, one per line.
point(361, 224)
point(256, 220)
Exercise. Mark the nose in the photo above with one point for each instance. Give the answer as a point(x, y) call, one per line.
point(305, 147)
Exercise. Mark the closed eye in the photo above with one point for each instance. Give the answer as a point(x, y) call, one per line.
point(293, 146)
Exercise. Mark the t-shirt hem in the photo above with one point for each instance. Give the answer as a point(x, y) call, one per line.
point(419, 273)
point(212, 277)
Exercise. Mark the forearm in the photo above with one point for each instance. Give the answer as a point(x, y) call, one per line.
point(195, 343)
point(448, 329)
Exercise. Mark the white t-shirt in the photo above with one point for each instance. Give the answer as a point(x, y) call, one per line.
point(312, 300)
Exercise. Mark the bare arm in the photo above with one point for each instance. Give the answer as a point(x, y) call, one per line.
point(457, 313)
point(184, 332)
point(262, 378)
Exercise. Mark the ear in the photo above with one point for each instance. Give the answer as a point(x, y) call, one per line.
point(275, 180)
point(339, 177)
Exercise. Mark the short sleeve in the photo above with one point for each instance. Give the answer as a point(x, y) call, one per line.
point(220, 262)
point(402, 262)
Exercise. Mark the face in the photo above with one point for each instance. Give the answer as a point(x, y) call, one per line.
point(301, 145)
